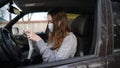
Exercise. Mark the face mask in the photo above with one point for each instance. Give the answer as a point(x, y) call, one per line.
point(50, 27)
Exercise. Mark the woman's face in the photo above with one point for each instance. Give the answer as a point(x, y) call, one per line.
point(50, 23)
point(49, 18)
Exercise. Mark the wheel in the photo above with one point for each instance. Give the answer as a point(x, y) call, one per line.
point(10, 46)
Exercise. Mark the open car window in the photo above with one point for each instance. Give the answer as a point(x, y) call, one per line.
point(81, 21)
point(38, 22)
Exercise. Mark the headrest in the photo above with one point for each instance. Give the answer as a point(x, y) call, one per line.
point(80, 26)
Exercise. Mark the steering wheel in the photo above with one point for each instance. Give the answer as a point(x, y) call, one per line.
point(13, 51)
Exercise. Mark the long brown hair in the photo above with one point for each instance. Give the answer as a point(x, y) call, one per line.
point(60, 28)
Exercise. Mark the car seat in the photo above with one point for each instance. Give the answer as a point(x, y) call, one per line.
point(82, 27)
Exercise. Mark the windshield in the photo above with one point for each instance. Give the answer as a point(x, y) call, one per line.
point(37, 21)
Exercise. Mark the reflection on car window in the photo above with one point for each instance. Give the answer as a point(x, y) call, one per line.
point(116, 24)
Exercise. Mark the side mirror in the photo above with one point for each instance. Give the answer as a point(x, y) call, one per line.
point(15, 30)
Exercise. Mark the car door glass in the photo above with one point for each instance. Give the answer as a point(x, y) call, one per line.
point(116, 24)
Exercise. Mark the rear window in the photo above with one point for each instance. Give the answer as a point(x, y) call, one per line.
point(116, 24)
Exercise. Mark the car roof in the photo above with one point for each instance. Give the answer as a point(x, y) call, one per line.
point(4, 2)
point(70, 6)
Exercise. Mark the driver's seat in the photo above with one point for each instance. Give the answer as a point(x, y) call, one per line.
point(82, 27)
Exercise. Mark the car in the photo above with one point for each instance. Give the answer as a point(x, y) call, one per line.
point(95, 23)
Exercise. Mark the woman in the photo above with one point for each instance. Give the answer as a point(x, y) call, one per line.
point(61, 43)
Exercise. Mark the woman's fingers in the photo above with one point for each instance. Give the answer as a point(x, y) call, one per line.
point(31, 35)
point(26, 33)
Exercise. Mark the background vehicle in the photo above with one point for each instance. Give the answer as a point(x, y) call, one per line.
point(96, 28)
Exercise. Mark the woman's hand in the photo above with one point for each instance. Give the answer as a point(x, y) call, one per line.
point(31, 35)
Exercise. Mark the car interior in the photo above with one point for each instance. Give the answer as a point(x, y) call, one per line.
point(82, 26)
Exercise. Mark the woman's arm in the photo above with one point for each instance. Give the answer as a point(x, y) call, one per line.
point(67, 49)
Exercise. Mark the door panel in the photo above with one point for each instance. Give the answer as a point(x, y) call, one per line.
point(77, 62)
point(114, 60)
